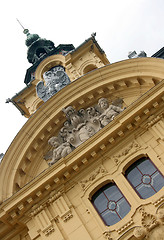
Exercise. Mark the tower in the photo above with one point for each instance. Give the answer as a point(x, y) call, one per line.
point(89, 162)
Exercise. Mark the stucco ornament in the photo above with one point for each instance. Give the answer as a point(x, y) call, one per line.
point(81, 125)
point(60, 149)
point(160, 215)
point(108, 111)
point(55, 79)
point(139, 232)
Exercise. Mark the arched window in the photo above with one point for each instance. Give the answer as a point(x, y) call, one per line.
point(40, 52)
point(144, 178)
point(110, 204)
point(89, 68)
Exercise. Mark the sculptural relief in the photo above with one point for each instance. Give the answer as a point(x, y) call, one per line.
point(108, 111)
point(72, 116)
point(81, 125)
point(139, 232)
point(60, 149)
point(55, 79)
point(160, 215)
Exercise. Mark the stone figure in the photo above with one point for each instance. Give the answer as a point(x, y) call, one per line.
point(108, 111)
point(81, 125)
point(104, 120)
point(60, 149)
point(55, 79)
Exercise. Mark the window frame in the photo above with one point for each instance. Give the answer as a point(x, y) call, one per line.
point(112, 183)
point(132, 163)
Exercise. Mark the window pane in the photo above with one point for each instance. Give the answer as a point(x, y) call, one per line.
point(110, 204)
point(135, 177)
point(157, 181)
point(145, 178)
point(113, 193)
point(145, 191)
point(110, 217)
point(146, 167)
point(101, 203)
point(123, 208)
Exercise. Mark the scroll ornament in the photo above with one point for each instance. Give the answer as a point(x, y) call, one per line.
point(80, 126)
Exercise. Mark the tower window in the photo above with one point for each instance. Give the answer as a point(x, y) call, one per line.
point(89, 68)
point(144, 178)
point(40, 52)
point(110, 204)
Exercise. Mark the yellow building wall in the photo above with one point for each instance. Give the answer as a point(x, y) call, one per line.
point(41, 202)
point(68, 212)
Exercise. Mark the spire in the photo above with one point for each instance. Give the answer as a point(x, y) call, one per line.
point(38, 48)
point(30, 37)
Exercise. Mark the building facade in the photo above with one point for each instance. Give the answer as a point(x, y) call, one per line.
point(89, 162)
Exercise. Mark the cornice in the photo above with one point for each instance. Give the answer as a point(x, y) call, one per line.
point(87, 152)
point(83, 92)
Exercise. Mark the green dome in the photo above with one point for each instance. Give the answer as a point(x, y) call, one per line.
point(38, 48)
point(31, 38)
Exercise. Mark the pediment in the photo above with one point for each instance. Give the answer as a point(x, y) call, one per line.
point(128, 80)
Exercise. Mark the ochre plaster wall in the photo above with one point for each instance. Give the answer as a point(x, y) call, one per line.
point(76, 63)
point(54, 202)
point(66, 213)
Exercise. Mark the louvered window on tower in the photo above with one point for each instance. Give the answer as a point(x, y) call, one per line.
point(144, 177)
point(110, 204)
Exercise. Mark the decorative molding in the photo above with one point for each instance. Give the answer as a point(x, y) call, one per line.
point(53, 196)
point(139, 232)
point(107, 235)
point(148, 221)
point(73, 70)
point(96, 174)
point(125, 226)
point(62, 209)
point(80, 126)
point(152, 120)
point(157, 202)
point(157, 129)
point(68, 216)
point(126, 152)
point(41, 219)
point(49, 231)
point(36, 209)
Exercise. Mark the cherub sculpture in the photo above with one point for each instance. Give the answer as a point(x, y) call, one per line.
point(60, 149)
point(80, 126)
point(108, 111)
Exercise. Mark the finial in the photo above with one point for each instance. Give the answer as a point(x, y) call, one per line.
point(93, 34)
point(25, 31)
